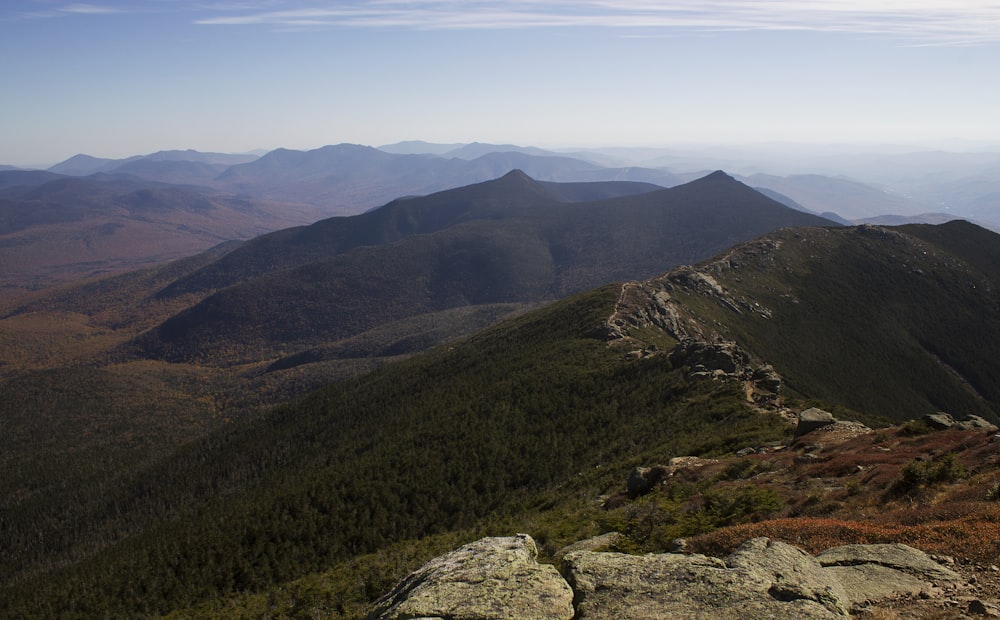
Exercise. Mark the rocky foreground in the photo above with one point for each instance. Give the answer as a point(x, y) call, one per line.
point(501, 578)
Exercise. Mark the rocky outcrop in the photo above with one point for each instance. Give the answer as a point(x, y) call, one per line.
point(812, 419)
point(815, 423)
point(614, 586)
point(767, 378)
point(878, 572)
point(942, 421)
point(895, 556)
point(711, 359)
point(701, 352)
point(500, 578)
point(490, 579)
point(642, 480)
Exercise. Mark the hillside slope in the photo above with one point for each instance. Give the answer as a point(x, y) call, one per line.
point(894, 322)
point(512, 240)
point(508, 414)
point(498, 431)
point(56, 229)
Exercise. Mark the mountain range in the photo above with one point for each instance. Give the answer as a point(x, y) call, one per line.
point(286, 425)
point(253, 194)
point(513, 240)
point(491, 432)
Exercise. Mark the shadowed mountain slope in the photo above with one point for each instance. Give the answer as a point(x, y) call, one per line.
point(509, 414)
point(895, 322)
point(25, 178)
point(503, 241)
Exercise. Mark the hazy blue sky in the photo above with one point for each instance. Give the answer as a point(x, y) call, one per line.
point(117, 78)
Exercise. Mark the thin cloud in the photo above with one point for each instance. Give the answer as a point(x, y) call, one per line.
point(926, 21)
point(89, 9)
point(49, 10)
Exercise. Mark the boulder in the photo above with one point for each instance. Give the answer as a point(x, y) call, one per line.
point(763, 579)
point(978, 607)
point(974, 422)
point(812, 419)
point(793, 574)
point(492, 578)
point(895, 556)
point(499, 578)
point(642, 480)
point(767, 378)
point(871, 583)
point(939, 421)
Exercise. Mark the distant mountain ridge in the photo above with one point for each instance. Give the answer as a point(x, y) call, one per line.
point(348, 178)
point(84, 165)
point(56, 228)
point(286, 187)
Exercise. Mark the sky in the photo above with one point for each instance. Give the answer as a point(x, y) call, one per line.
point(113, 78)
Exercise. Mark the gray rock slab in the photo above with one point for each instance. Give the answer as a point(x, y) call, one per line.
point(793, 574)
point(614, 586)
point(974, 422)
point(939, 421)
point(812, 419)
point(896, 556)
point(490, 579)
point(874, 583)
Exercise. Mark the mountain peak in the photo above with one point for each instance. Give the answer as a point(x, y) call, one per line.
point(517, 173)
point(718, 175)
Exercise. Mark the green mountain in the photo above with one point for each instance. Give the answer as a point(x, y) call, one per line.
point(521, 427)
point(512, 240)
point(891, 321)
point(438, 443)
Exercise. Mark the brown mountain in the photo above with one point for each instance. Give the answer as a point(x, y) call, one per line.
point(56, 229)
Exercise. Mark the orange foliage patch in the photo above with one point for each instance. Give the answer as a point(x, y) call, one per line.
point(974, 537)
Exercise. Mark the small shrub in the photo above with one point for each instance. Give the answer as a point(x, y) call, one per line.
point(914, 428)
point(729, 506)
point(741, 469)
point(652, 522)
point(920, 474)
